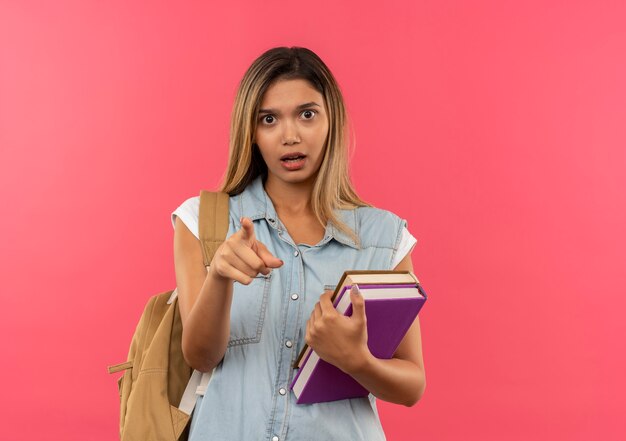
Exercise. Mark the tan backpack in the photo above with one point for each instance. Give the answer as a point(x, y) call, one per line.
point(158, 388)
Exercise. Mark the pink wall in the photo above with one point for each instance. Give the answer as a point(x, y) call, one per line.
point(497, 128)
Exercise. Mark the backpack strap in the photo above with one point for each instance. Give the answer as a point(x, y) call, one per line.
point(212, 226)
point(188, 400)
point(213, 222)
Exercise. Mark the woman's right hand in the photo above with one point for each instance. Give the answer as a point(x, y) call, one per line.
point(241, 257)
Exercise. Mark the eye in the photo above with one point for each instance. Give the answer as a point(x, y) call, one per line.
point(264, 119)
point(313, 112)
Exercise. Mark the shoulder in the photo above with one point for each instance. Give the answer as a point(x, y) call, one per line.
point(384, 228)
point(380, 225)
point(188, 213)
point(370, 214)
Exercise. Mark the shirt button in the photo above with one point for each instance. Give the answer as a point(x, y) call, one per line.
point(274, 438)
point(288, 343)
point(282, 391)
point(295, 253)
point(271, 220)
point(294, 296)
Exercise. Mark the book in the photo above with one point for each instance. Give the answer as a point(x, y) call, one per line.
point(364, 277)
point(393, 300)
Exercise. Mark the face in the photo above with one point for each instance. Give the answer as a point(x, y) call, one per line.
point(292, 119)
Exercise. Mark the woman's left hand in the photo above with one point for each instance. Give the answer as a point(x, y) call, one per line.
point(337, 339)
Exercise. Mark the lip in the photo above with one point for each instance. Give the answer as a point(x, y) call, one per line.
point(294, 165)
point(291, 155)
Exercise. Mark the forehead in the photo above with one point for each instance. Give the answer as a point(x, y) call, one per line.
point(290, 93)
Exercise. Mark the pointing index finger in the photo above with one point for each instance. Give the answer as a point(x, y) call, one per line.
point(247, 233)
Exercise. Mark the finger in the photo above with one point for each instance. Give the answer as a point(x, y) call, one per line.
point(311, 322)
point(246, 232)
point(358, 303)
point(236, 275)
point(229, 255)
point(307, 335)
point(268, 258)
point(251, 259)
point(326, 305)
point(317, 311)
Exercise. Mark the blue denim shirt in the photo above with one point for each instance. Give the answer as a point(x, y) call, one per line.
point(248, 396)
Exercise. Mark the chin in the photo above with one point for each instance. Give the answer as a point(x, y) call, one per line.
point(294, 177)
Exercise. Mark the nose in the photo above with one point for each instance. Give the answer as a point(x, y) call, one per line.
point(290, 133)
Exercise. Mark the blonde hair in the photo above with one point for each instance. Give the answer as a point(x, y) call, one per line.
point(333, 188)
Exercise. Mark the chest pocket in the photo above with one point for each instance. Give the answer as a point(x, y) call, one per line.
point(247, 311)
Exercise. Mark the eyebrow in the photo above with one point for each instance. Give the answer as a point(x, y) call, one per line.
point(301, 106)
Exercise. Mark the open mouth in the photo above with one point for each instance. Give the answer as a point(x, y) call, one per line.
point(292, 157)
point(293, 161)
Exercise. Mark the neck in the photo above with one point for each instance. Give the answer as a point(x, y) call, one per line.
point(289, 199)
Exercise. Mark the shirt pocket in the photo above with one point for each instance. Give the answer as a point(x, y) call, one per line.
point(247, 311)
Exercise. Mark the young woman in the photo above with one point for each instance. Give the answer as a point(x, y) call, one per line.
point(296, 224)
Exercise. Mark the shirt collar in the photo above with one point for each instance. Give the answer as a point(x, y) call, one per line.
point(256, 204)
point(349, 218)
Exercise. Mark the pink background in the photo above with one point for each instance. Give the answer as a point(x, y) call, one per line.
point(496, 128)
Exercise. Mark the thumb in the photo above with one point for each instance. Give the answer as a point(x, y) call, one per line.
point(358, 303)
point(268, 258)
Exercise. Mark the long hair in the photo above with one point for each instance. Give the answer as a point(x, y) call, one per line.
point(333, 188)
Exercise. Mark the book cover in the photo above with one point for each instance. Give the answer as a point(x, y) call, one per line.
point(390, 311)
point(363, 278)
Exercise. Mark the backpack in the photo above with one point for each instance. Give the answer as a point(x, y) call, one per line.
point(158, 389)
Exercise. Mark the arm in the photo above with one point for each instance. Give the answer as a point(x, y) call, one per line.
point(205, 297)
point(342, 341)
point(204, 300)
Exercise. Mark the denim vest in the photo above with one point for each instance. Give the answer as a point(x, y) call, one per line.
point(248, 396)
